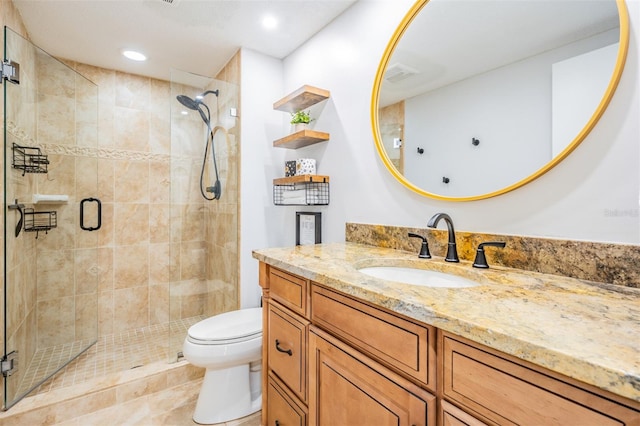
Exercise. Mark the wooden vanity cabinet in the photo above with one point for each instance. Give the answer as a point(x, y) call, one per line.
point(284, 346)
point(504, 390)
point(353, 363)
point(348, 388)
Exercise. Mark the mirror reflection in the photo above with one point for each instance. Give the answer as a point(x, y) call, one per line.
point(478, 97)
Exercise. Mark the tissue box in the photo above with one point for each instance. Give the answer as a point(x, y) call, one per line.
point(305, 166)
point(289, 168)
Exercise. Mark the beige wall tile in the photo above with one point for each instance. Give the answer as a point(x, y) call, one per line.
point(56, 120)
point(159, 223)
point(192, 260)
point(105, 313)
point(132, 182)
point(130, 129)
point(106, 233)
point(131, 308)
point(105, 266)
point(159, 181)
point(87, 270)
point(86, 316)
point(131, 266)
point(132, 91)
point(131, 221)
point(106, 180)
point(159, 303)
point(54, 267)
point(56, 320)
point(159, 267)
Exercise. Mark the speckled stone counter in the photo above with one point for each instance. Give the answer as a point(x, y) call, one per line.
point(584, 330)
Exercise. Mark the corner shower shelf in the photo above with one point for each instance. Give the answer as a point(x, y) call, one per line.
point(304, 97)
point(29, 159)
point(303, 190)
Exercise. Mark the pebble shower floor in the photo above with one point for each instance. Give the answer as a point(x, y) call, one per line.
point(110, 354)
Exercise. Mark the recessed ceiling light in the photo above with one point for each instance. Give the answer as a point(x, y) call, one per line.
point(269, 22)
point(134, 56)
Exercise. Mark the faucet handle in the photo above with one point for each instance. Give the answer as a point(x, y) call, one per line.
point(481, 259)
point(424, 248)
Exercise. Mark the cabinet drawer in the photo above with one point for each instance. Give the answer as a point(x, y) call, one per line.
point(507, 392)
point(287, 351)
point(398, 343)
point(281, 408)
point(453, 416)
point(290, 290)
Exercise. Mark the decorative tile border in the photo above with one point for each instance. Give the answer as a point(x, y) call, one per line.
point(591, 261)
point(108, 153)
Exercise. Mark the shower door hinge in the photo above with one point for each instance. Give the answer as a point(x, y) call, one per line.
point(9, 363)
point(10, 71)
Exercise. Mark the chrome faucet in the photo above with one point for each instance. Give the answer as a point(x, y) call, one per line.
point(452, 250)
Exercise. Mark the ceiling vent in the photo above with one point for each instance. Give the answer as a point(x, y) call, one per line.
point(398, 72)
point(171, 2)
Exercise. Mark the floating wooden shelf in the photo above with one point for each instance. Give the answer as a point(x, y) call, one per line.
point(302, 138)
point(290, 180)
point(302, 98)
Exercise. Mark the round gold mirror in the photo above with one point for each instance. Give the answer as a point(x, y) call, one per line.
point(475, 98)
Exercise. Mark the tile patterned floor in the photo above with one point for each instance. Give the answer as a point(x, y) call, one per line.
point(110, 354)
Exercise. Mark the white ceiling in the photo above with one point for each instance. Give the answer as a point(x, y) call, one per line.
point(488, 34)
point(197, 36)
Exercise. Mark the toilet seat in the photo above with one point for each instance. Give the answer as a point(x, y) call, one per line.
point(228, 328)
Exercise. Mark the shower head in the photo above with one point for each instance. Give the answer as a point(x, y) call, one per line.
point(188, 102)
point(195, 105)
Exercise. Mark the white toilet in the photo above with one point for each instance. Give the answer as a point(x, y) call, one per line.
point(229, 346)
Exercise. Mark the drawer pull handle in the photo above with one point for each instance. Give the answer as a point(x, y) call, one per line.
point(286, 351)
point(277, 423)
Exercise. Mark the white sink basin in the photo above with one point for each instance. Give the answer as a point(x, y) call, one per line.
point(422, 277)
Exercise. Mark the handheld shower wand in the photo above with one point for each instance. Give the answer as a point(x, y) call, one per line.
point(196, 105)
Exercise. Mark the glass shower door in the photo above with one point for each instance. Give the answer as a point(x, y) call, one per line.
point(51, 267)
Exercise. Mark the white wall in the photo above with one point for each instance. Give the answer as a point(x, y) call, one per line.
point(508, 110)
point(261, 84)
point(591, 195)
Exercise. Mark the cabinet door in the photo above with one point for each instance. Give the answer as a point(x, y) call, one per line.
point(282, 409)
point(347, 388)
point(453, 416)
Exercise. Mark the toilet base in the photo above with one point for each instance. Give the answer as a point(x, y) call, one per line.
point(227, 395)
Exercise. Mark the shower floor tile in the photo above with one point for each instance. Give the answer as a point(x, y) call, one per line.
point(111, 353)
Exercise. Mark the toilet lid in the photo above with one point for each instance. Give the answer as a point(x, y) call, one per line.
point(234, 326)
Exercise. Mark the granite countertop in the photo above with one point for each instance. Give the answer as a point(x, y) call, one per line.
point(585, 330)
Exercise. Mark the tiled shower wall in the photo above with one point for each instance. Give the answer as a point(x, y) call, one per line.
point(139, 259)
point(154, 255)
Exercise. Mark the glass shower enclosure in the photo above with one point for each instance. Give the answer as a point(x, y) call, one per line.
point(51, 269)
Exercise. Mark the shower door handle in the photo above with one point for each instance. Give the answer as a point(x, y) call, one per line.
point(82, 203)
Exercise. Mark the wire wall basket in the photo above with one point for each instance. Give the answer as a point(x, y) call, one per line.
point(39, 221)
point(29, 159)
point(309, 194)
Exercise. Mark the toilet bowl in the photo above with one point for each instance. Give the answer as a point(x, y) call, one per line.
point(229, 346)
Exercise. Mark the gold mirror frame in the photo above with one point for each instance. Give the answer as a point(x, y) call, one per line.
point(602, 106)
